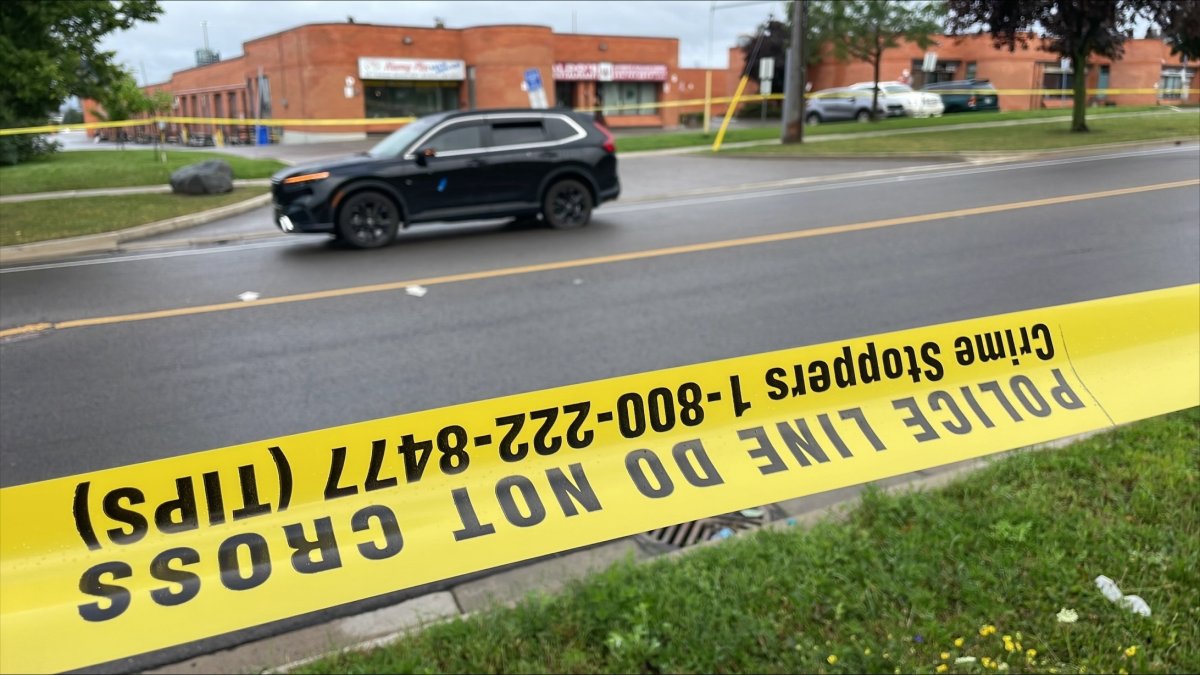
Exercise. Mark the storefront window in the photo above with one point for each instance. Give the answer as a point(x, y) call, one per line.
point(623, 98)
point(408, 99)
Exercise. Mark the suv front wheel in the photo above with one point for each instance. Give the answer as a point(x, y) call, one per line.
point(567, 205)
point(368, 219)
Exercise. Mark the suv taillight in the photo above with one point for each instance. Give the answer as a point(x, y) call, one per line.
point(610, 144)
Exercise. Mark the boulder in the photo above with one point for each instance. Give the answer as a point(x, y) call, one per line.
point(206, 178)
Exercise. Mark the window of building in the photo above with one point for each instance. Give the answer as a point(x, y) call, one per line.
point(564, 94)
point(1054, 76)
point(383, 98)
point(1173, 82)
point(467, 136)
point(517, 133)
point(943, 72)
point(264, 96)
point(971, 71)
point(623, 98)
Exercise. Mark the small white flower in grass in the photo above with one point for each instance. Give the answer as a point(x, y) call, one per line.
point(964, 659)
point(1067, 615)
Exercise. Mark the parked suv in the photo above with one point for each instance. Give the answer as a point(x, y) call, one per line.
point(835, 105)
point(556, 165)
point(966, 95)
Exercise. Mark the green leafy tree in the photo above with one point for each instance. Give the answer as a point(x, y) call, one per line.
point(50, 50)
point(1180, 24)
point(864, 29)
point(1073, 29)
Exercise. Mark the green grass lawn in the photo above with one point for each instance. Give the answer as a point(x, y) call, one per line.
point(1031, 137)
point(690, 138)
point(116, 168)
point(966, 579)
point(26, 222)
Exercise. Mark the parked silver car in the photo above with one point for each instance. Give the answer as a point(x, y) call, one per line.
point(844, 103)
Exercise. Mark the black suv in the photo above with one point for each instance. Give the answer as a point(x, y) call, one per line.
point(453, 166)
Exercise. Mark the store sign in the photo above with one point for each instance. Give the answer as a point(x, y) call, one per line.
point(611, 72)
point(411, 69)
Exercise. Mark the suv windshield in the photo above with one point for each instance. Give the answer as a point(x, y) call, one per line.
point(897, 89)
point(402, 137)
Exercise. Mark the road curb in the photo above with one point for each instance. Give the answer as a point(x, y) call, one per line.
point(109, 242)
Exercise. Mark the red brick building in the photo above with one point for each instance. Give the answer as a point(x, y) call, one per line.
point(355, 71)
point(1146, 64)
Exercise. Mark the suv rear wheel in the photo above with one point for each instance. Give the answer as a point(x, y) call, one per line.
point(567, 205)
point(368, 219)
point(863, 115)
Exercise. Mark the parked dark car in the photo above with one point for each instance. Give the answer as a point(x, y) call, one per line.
point(555, 165)
point(966, 95)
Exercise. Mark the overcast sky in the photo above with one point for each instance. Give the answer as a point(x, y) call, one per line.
point(169, 44)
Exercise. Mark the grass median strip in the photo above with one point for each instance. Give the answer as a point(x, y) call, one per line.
point(28, 222)
point(1030, 137)
point(699, 138)
point(83, 170)
point(971, 578)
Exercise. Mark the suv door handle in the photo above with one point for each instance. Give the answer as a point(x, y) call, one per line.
point(548, 154)
point(476, 163)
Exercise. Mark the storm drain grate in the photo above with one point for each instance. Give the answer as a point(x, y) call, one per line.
point(718, 527)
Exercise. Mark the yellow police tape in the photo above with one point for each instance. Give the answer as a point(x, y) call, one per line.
point(114, 563)
point(388, 121)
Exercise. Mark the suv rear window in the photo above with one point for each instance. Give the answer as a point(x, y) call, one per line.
point(517, 133)
point(557, 129)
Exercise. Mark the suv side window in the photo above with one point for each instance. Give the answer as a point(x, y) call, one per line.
point(457, 137)
point(517, 132)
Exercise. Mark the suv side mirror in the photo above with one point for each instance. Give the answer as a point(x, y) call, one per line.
point(424, 155)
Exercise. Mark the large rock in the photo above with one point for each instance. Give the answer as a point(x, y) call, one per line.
point(206, 178)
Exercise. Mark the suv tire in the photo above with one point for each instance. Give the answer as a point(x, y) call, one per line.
point(368, 219)
point(863, 115)
point(813, 119)
point(567, 205)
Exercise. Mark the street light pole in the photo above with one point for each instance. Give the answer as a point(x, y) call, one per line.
point(797, 65)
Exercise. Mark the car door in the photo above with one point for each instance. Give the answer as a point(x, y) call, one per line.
point(522, 153)
point(454, 181)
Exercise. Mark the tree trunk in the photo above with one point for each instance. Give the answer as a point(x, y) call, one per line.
point(875, 91)
point(1079, 86)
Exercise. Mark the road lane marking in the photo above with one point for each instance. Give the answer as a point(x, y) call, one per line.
point(785, 187)
point(608, 259)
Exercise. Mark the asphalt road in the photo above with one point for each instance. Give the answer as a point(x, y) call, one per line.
point(96, 396)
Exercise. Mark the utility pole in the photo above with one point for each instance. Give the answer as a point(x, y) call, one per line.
point(797, 65)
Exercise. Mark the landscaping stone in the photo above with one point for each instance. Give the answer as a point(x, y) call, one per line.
point(211, 177)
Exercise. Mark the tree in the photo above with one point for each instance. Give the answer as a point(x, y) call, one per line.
point(50, 50)
point(1072, 29)
point(777, 39)
point(1180, 24)
point(864, 29)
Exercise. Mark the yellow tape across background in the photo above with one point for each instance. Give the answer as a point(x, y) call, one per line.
point(124, 561)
